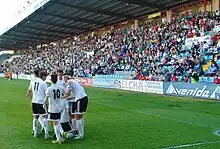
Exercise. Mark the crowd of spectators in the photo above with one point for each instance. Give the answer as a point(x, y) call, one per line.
point(155, 50)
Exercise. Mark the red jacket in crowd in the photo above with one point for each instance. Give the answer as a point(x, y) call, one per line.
point(138, 77)
point(217, 80)
point(174, 78)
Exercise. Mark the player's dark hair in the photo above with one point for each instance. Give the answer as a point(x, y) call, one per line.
point(69, 73)
point(36, 73)
point(54, 78)
point(42, 74)
point(60, 71)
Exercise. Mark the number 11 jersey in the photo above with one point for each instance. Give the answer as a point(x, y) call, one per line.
point(38, 88)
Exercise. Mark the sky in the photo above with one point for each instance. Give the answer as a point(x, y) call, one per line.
point(8, 8)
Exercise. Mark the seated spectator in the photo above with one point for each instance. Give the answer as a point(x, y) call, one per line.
point(179, 70)
point(166, 76)
point(174, 78)
point(194, 77)
point(217, 80)
point(205, 46)
point(138, 76)
point(143, 77)
point(212, 69)
point(185, 79)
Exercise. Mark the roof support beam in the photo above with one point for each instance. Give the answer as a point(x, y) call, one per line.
point(37, 34)
point(75, 19)
point(178, 3)
point(12, 44)
point(41, 33)
point(30, 36)
point(143, 3)
point(21, 39)
point(57, 25)
point(45, 30)
point(10, 48)
point(97, 11)
point(16, 40)
point(25, 37)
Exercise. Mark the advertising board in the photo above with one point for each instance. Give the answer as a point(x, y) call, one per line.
point(142, 86)
point(107, 83)
point(199, 90)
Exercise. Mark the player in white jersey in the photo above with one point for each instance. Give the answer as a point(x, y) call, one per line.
point(71, 100)
point(80, 105)
point(60, 80)
point(66, 129)
point(36, 92)
point(54, 95)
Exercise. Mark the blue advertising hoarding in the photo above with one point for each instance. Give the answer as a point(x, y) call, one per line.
point(199, 90)
point(107, 83)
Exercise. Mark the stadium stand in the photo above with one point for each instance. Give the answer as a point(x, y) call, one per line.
point(155, 51)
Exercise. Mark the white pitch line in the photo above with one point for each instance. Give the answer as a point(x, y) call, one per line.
point(217, 132)
point(156, 115)
point(190, 145)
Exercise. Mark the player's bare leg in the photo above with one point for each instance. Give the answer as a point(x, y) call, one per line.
point(54, 135)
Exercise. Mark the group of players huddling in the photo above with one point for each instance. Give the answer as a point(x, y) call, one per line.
point(63, 103)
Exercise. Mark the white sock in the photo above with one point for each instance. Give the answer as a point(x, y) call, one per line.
point(61, 129)
point(83, 121)
point(74, 124)
point(40, 120)
point(57, 131)
point(83, 125)
point(35, 125)
point(80, 127)
point(45, 125)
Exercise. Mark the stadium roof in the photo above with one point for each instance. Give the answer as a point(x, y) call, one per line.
point(59, 19)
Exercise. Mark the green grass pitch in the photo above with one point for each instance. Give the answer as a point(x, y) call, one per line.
point(116, 120)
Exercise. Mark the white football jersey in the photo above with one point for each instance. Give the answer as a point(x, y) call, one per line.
point(55, 92)
point(61, 82)
point(76, 89)
point(38, 88)
point(64, 113)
